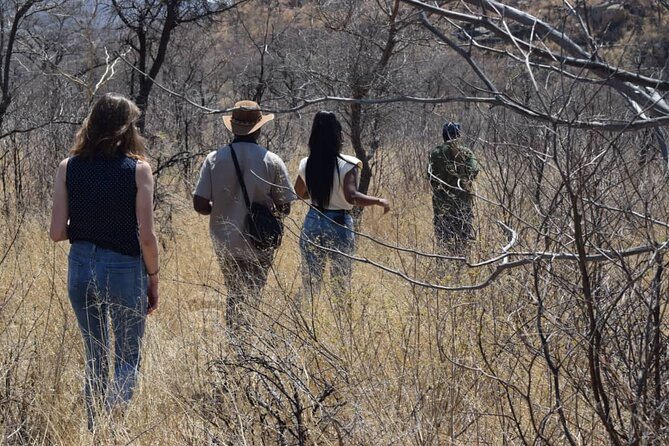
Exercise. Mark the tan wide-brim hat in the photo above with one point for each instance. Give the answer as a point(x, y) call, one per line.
point(246, 118)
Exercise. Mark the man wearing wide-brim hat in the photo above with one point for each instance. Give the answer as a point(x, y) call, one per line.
point(218, 193)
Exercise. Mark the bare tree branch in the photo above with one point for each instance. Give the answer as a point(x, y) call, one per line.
point(500, 99)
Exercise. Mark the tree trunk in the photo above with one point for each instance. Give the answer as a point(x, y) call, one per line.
point(358, 147)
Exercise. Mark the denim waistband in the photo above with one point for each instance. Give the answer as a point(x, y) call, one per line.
point(331, 211)
point(88, 250)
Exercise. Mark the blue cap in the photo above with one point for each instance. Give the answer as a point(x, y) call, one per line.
point(451, 130)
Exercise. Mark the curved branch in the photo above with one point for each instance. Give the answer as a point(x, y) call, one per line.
point(501, 100)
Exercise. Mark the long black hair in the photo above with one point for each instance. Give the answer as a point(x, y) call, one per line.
point(324, 148)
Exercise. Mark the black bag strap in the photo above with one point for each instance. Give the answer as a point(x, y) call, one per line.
point(240, 177)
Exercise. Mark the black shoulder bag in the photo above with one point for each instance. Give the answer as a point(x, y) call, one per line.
point(262, 226)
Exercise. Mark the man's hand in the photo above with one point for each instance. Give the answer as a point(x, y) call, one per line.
point(201, 205)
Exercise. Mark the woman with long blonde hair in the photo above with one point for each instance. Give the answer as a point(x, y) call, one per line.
point(103, 204)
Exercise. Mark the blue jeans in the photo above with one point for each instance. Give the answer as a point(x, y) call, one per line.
point(104, 284)
point(323, 230)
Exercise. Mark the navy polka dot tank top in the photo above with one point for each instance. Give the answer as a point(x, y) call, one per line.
point(101, 194)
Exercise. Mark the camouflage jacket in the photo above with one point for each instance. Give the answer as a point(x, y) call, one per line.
point(450, 163)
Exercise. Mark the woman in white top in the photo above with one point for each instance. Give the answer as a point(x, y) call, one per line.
point(330, 180)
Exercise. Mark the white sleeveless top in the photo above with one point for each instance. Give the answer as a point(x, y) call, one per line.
point(337, 198)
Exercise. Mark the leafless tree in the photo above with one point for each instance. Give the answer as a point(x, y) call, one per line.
point(374, 34)
point(150, 27)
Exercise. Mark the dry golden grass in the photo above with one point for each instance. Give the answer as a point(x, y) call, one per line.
point(373, 334)
point(379, 347)
point(390, 363)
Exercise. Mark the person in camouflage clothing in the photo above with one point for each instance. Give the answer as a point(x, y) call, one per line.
point(453, 169)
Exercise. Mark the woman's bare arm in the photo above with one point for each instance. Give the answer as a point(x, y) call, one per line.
point(357, 198)
point(147, 235)
point(59, 210)
point(301, 188)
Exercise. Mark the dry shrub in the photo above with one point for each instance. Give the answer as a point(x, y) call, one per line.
point(390, 362)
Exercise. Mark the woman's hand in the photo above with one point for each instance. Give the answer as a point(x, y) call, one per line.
point(386, 206)
point(152, 294)
point(357, 198)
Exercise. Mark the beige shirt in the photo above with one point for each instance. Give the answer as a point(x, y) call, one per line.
point(267, 182)
point(337, 197)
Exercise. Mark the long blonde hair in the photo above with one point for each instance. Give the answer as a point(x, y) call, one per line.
point(109, 130)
